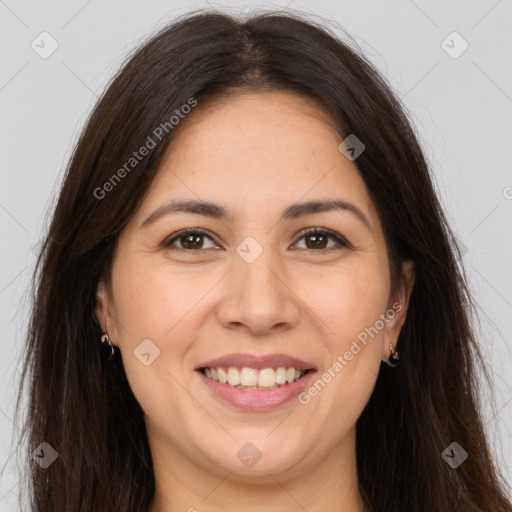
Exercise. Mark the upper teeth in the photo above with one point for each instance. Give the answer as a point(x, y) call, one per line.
point(250, 377)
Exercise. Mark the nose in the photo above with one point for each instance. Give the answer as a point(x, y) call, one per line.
point(258, 297)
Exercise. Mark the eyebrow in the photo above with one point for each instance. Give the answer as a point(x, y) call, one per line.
point(216, 211)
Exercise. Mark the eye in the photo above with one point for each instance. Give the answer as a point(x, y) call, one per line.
point(189, 239)
point(319, 237)
point(192, 239)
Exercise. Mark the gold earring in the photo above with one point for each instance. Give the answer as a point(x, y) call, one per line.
point(106, 339)
point(392, 360)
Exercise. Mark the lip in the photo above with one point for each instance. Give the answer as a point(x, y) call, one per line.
point(263, 400)
point(258, 362)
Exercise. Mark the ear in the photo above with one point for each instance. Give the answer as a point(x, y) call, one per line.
point(102, 310)
point(397, 307)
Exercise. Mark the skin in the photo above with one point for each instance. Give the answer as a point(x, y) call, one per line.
point(255, 154)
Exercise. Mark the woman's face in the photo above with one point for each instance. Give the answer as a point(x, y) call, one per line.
point(254, 292)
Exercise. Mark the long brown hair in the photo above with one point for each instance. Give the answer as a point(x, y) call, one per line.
point(79, 400)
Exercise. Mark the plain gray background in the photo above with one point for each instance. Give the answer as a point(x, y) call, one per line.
point(460, 103)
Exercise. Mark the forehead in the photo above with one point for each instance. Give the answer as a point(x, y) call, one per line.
point(246, 119)
point(257, 152)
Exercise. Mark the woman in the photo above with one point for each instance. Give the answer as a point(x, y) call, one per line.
point(247, 229)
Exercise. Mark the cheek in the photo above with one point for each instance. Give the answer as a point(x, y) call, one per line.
point(156, 303)
point(351, 302)
point(349, 305)
point(153, 299)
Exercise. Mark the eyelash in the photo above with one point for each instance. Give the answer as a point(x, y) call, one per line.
point(167, 244)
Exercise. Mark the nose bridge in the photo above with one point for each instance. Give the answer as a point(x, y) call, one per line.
point(256, 295)
point(253, 267)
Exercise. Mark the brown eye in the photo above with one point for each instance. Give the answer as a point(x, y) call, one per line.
point(316, 241)
point(189, 239)
point(319, 239)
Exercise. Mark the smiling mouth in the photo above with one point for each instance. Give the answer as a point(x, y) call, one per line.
point(252, 379)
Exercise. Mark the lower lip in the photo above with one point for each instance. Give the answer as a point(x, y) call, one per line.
point(264, 400)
